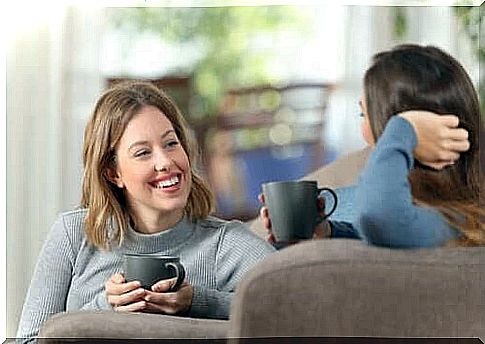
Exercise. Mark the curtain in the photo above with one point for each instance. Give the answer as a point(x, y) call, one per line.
point(53, 80)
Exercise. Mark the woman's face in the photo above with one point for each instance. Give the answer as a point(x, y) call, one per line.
point(365, 125)
point(152, 167)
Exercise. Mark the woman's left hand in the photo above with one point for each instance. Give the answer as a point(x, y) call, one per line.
point(161, 300)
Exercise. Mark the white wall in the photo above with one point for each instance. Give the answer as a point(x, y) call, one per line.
point(368, 31)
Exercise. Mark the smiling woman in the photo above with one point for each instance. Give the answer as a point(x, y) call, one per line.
point(140, 194)
point(153, 167)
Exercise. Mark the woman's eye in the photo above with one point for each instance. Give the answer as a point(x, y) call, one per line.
point(141, 153)
point(172, 144)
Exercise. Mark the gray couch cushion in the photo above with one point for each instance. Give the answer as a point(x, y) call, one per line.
point(346, 288)
point(110, 324)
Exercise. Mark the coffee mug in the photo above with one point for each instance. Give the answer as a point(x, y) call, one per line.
point(151, 268)
point(293, 208)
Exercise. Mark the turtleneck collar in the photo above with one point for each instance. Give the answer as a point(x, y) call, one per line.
point(135, 242)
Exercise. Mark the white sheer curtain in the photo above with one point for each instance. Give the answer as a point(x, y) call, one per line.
point(52, 81)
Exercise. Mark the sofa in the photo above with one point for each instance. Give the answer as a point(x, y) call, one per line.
point(340, 290)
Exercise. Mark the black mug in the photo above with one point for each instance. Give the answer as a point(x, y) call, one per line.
point(293, 208)
point(151, 268)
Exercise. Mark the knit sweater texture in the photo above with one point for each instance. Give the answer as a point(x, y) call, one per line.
point(71, 273)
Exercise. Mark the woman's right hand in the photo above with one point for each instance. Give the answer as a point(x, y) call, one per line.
point(264, 214)
point(322, 230)
point(440, 140)
point(125, 296)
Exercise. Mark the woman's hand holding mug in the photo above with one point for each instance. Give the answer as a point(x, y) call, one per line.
point(125, 296)
point(161, 300)
point(321, 231)
point(131, 297)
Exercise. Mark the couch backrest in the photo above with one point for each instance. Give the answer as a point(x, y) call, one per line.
point(344, 287)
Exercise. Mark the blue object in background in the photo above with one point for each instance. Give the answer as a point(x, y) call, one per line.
point(268, 164)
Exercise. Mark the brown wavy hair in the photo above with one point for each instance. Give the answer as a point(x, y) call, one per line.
point(104, 201)
point(412, 77)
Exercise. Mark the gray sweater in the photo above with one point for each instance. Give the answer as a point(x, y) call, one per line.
point(70, 273)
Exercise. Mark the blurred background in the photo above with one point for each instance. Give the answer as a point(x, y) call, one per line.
point(271, 93)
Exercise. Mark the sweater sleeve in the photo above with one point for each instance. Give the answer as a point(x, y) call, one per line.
point(342, 229)
point(385, 212)
point(341, 219)
point(238, 251)
point(99, 302)
point(50, 283)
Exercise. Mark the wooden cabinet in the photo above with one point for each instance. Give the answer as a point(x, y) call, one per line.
point(177, 87)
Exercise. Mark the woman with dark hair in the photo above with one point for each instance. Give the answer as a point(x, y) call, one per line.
point(141, 193)
point(421, 184)
point(417, 203)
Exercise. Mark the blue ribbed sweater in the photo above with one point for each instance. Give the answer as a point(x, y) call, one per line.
point(380, 209)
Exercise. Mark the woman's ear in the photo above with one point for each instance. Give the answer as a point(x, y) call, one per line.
point(114, 177)
point(366, 131)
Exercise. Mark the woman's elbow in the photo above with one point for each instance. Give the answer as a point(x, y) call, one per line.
point(373, 229)
point(386, 228)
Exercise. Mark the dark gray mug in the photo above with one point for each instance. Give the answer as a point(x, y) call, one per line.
point(151, 268)
point(293, 208)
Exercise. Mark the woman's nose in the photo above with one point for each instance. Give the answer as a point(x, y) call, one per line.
point(162, 163)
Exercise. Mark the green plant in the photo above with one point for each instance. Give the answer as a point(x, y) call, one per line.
point(400, 23)
point(223, 37)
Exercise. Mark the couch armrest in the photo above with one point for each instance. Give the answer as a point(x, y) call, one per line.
point(110, 324)
point(342, 287)
point(342, 172)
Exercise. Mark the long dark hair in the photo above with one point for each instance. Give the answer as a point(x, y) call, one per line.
point(412, 77)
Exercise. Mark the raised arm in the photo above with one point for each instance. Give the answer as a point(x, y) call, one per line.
point(385, 212)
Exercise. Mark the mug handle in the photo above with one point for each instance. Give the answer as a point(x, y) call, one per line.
point(334, 195)
point(179, 271)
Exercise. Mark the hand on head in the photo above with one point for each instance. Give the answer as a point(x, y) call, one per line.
point(131, 297)
point(440, 141)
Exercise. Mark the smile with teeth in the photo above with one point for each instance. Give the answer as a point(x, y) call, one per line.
point(167, 182)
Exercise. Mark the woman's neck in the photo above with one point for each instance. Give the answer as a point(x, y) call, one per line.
point(156, 223)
